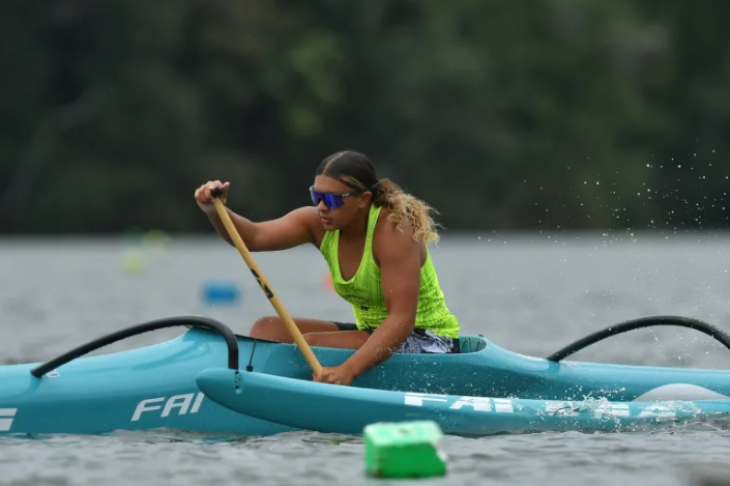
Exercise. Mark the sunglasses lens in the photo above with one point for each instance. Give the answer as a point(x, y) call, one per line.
point(330, 200)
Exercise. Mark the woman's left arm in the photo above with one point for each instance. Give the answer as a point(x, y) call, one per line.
point(399, 256)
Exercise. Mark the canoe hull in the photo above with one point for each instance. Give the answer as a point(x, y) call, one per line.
point(148, 388)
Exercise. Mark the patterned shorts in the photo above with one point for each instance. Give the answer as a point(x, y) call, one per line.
point(420, 341)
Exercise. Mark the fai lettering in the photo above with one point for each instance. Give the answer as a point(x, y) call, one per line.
point(7, 415)
point(178, 404)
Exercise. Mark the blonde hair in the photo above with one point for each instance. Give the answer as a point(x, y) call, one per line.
point(355, 170)
point(405, 208)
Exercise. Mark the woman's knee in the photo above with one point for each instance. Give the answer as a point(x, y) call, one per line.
point(266, 327)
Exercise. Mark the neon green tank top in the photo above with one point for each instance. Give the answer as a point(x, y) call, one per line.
point(365, 294)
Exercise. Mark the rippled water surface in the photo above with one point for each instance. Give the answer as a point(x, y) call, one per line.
point(531, 294)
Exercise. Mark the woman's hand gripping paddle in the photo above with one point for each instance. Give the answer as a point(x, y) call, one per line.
point(256, 271)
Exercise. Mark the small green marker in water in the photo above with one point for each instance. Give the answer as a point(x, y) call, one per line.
point(404, 450)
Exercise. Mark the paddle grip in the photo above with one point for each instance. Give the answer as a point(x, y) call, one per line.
point(217, 192)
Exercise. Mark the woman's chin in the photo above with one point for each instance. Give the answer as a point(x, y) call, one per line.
point(327, 224)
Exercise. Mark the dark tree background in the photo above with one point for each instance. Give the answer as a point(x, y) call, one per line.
point(552, 114)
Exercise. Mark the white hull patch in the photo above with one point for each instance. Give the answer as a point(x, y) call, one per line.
point(679, 391)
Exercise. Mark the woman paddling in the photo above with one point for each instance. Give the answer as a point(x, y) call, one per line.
point(373, 236)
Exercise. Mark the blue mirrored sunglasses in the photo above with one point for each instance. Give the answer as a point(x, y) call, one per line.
point(332, 201)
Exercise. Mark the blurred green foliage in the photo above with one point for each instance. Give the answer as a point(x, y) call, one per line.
point(551, 114)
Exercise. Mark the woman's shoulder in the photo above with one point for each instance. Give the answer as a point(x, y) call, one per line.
point(388, 229)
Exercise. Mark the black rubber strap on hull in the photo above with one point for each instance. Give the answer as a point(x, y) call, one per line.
point(190, 321)
point(642, 322)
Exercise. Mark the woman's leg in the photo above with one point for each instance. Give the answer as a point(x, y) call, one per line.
point(272, 328)
point(316, 332)
point(337, 339)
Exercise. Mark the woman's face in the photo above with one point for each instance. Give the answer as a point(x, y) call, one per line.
point(335, 210)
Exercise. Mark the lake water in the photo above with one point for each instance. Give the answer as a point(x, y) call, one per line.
point(531, 293)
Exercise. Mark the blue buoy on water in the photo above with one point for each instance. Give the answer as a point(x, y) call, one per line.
point(220, 292)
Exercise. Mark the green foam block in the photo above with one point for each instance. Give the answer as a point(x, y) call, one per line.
point(404, 449)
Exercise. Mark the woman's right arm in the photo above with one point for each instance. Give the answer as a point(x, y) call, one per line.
point(293, 229)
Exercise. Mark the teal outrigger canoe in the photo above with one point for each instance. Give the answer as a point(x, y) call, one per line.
point(210, 380)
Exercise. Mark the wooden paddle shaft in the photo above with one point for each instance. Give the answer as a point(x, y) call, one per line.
point(263, 282)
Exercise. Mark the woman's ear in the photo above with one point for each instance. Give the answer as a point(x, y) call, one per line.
point(365, 199)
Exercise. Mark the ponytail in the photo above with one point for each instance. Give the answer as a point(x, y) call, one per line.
point(405, 208)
